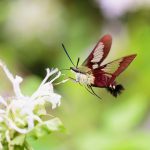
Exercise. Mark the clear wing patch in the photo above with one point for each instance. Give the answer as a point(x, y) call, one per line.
point(113, 66)
point(95, 66)
point(98, 53)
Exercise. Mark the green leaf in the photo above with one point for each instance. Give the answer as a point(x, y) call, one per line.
point(45, 128)
point(18, 140)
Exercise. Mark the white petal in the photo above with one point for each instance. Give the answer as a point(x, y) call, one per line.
point(2, 111)
point(45, 87)
point(15, 81)
point(1, 146)
point(54, 99)
point(2, 101)
point(7, 136)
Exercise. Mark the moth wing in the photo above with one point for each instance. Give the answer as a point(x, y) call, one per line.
point(99, 52)
point(106, 74)
point(116, 67)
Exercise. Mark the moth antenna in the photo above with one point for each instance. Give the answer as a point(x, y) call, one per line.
point(77, 62)
point(67, 54)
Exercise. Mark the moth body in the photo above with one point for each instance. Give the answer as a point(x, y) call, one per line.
point(94, 73)
point(83, 77)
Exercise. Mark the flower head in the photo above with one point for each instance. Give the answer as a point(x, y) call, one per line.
point(21, 114)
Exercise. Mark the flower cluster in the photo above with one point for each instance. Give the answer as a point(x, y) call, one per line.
point(22, 115)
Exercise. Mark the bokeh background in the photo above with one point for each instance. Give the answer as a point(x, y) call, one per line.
point(31, 33)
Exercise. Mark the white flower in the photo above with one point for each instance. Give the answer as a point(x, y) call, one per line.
point(20, 113)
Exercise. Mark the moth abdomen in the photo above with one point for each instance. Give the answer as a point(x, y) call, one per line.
point(115, 90)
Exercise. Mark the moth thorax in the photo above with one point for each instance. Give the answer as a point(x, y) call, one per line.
point(85, 78)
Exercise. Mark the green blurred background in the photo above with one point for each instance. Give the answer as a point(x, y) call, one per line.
point(31, 33)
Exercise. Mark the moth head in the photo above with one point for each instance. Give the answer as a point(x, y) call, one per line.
point(74, 69)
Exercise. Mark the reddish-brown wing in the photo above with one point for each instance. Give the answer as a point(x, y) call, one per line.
point(117, 66)
point(106, 74)
point(113, 69)
point(99, 53)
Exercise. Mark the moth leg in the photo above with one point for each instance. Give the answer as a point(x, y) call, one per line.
point(80, 84)
point(90, 87)
point(63, 81)
point(74, 80)
point(87, 88)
